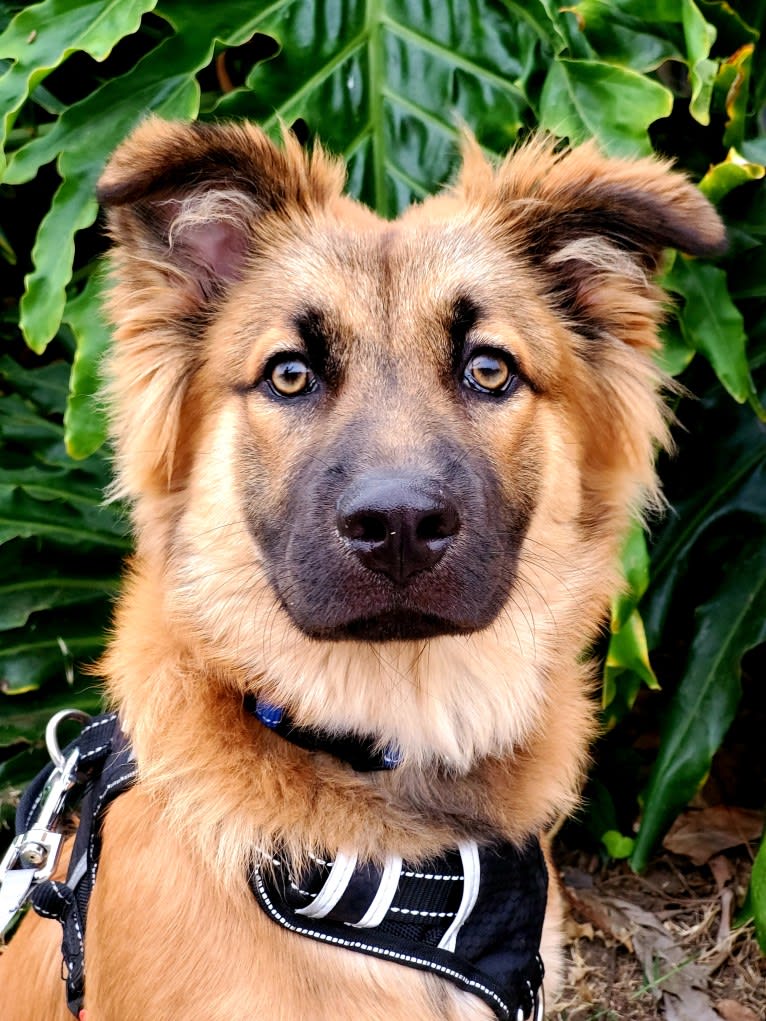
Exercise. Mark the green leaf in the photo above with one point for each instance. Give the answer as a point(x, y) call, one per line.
point(724, 177)
point(84, 419)
point(758, 894)
point(712, 324)
point(33, 583)
point(6, 252)
point(586, 98)
point(389, 84)
point(700, 36)
point(675, 354)
point(635, 569)
point(23, 719)
point(626, 666)
point(623, 33)
point(617, 846)
point(627, 658)
point(22, 516)
point(40, 37)
point(706, 700)
point(73, 208)
point(32, 656)
point(733, 79)
point(46, 385)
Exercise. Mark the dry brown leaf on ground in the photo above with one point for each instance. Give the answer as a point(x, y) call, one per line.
point(671, 976)
point(701, 833)
point(733, 1010)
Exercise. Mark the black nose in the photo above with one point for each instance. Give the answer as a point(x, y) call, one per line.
point(397, 526)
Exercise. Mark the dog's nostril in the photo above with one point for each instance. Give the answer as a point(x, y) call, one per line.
point(366, 527)
point(441, 525)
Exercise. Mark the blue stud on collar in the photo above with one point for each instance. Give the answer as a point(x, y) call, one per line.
point(392, 756)
point(269, 715)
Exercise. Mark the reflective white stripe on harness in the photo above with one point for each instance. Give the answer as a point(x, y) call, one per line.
point(340, 876)
point(389, 883)
point(469, 854)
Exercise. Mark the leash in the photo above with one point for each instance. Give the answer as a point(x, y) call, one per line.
point(473, 916)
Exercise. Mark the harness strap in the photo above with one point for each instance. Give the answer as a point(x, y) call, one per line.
point(473, 916)
point(106, 769)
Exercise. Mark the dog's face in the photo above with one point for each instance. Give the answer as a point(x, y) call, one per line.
point(387, 459)
point(341, 432)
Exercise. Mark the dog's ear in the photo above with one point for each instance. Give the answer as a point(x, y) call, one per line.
point(595, 228)
point(191, 197)
point(188, 207)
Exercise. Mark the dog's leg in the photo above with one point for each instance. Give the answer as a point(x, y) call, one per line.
point(551, 949)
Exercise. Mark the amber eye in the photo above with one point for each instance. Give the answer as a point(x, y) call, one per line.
point(290, 376)
point(489, 372)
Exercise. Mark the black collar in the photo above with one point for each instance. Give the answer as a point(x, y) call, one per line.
point(361, 753)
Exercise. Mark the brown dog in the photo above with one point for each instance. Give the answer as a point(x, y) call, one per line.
point(380, 475)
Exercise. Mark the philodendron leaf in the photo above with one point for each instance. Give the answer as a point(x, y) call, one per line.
point(700, 36)
point(724, 177)
point(43, 35)
point(23, 516)
point(758, 894)
point(734, 76)
point(84, 419)
point(587, 98)
point(81, 140)
point(23, 719)
point(706, 699)
point(389, 85)
point(626, 33)
point(383, 82)
point(712, 324)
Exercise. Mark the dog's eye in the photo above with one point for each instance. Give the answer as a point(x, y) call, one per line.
point(489, 372)
point(290, 376)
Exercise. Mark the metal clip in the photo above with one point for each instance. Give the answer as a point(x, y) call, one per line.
point(33, 856)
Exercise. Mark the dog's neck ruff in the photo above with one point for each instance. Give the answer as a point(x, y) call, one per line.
point(361, 753)
point(473, 916)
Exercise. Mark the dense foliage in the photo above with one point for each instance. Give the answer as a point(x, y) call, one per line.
point(387, 83)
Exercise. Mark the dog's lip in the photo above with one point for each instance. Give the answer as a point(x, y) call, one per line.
point(390, 626)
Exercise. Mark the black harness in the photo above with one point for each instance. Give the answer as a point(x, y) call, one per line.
point(473, 916)
point(105, 770)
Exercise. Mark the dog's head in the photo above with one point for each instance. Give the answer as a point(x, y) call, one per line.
point(383, 469)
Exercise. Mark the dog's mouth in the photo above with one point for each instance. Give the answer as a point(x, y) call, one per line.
point(391, 626)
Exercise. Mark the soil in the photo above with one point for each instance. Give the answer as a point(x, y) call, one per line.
point(681, 919)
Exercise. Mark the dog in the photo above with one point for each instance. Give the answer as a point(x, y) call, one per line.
point(380, 474)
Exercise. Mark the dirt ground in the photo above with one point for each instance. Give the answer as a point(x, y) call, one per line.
point(663, 945)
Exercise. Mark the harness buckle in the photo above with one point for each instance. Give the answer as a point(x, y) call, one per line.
point(33, 855)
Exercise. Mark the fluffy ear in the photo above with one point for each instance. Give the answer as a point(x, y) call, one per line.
point(187, 205)
point(596, 228)
point(191, 195)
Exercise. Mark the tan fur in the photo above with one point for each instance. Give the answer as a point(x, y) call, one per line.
point(494, 725)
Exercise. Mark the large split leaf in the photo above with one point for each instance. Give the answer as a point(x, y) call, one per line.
point(40, 37)
point(705, 702)
point(588, 98)
point(84, 421)
point(389, 84)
